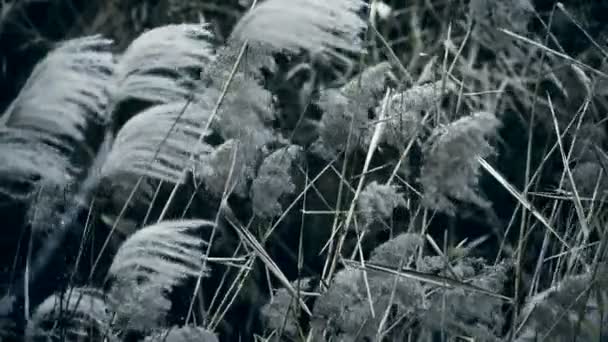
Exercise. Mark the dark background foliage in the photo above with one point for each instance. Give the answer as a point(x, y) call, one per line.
point(29, 29)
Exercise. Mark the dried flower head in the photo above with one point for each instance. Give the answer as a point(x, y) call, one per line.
point(450, 171)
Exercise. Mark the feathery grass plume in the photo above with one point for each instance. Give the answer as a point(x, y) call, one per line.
point(394, 250)
point(317, 26)
point(75, 315)
point(421, 97)
point(274, 181)
point(141, 308)
point(377, 203)
point(61, 219)
point(50, 133)
point(421, 308)
point(351, 104)
point(401, 299)
point(402, 126)
point(404, 112)
point(64, 100)
point(339, 114)
point(257, 59)
point(281, 314)
point(149, 264)
point(247, 111)
point(573, 309)
point(450, 170)
point(166, 253)
point(458, 312)
point(232, 161)
point(160, 66)
point(244, 121)
point(408, 297)
point(158, 143)
point(343, 309)
point(368, 87)
point(343, 312)
point(183, 334)
point(25, 160)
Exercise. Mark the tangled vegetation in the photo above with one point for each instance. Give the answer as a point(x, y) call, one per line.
point(309, 170)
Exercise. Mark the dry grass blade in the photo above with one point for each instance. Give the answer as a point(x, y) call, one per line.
point(375, 140)
point(428, 278)
point(580, 27)
point(522, 200)
point(553, 52)
point(312, 25)
point(253, 243)
point(565, 159)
